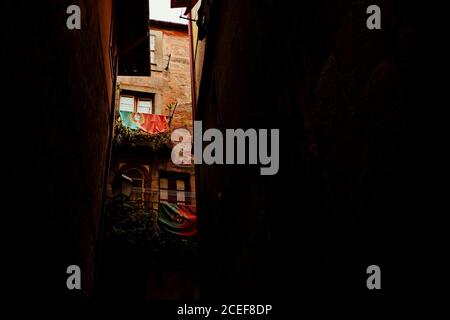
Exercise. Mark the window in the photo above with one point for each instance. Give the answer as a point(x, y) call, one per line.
point(164, 189)
point(156, 51)
point(152, 49)
point(181, 196)
point(127, 103)
point(138, 190)
point(140, 103)
point(173, 187)
point(144, 106)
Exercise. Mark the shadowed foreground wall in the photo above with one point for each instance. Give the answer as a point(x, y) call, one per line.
point(361, 121)
point(56, 122)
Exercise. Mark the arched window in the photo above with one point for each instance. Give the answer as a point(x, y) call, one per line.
point(138, 191)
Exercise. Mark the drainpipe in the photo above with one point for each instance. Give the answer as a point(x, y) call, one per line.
point(192, 59)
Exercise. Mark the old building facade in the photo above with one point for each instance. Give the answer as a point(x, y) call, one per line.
point(143, 176)
point(167, 93)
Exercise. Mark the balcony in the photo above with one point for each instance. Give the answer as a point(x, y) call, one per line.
point(135, 135)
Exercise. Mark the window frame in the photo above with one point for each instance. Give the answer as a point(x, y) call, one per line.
point(153, 61)
point(158, 64)
point(172, 187)
point(126, 96)
point(136, 97)
point(139, 194)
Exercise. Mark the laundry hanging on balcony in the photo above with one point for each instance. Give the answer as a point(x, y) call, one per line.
point(151, 123)
point(178, 219)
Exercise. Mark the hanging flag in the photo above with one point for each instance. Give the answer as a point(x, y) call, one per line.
point(151, 123)
point(178, 219)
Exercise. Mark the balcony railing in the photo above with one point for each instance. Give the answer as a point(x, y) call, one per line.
point(166, 195)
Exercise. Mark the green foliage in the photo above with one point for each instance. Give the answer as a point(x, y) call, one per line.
point(171, 106)
point(130, 226)
point(126, 136)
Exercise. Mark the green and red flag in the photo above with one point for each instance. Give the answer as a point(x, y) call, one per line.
point(151, 123)
point(179, 219)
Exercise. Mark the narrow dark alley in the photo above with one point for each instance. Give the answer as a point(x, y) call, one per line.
point(139, 158)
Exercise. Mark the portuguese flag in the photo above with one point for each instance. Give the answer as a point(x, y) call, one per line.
point(179, 219)
point(151, 123)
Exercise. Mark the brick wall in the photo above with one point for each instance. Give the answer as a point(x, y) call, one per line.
point(171, 85)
